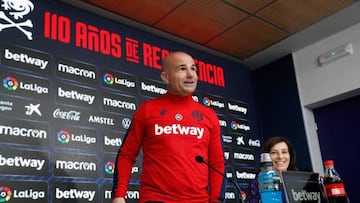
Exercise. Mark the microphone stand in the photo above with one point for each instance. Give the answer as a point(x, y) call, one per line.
point(200, 159)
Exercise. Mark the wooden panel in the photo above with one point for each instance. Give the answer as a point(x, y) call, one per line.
point(249, 6)
point(295, 15)
point(247, 38)
point(145, 11)
point(200, 20)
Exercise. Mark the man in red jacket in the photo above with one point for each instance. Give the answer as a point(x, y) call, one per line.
point(172, 130)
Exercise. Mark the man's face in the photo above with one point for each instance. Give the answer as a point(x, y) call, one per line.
point(181, 76)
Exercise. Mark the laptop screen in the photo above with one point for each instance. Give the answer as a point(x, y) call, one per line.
point(302, 187)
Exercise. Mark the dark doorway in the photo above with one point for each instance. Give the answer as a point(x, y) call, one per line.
point(339, 131)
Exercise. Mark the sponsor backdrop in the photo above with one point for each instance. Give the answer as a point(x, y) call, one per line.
point(71, 82)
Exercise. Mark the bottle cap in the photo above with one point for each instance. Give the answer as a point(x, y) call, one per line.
point(328, 163)
point(265, 157)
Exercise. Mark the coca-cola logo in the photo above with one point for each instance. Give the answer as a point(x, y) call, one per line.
point(67, 115)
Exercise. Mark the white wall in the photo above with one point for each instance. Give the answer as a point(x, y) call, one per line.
point(321, 85)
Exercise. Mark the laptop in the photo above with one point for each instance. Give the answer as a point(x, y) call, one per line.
point(302, 187)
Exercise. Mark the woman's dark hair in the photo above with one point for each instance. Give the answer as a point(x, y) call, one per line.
point(277, 139)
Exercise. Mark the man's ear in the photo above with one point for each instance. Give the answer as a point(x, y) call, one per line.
point(164, 77)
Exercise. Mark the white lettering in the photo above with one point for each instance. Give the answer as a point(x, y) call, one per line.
point(244, 156)
point(24, 58)
point(101, 120)
point(237, 108)
point(75, 165)
point(19, 161)
point(119, 104)
point(73, 94)
point(75, 194)
point(304, 195)
point(28, 194)
point(34, 88)
point(177, 129)
point(23, 132)
point(76, 71)
point(70, 115)
point(152, 88)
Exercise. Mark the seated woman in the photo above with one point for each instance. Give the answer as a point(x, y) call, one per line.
point(282, 154)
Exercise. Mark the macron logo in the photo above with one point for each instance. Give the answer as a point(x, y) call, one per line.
point(177, 129)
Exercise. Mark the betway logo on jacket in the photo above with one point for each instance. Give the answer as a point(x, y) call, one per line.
point(177, 129)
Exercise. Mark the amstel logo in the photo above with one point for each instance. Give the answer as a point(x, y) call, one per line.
point(63, 136)
point(10, 83)
point(109, 167)
point(108, 79)
point(5, 194)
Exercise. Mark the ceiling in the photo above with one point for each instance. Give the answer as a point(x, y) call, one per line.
point(253, 32)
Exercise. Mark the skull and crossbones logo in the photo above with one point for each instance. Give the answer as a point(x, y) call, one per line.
point(16, 10)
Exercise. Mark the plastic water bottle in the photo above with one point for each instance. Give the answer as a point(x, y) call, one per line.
point(269, 181)
point(334, 186)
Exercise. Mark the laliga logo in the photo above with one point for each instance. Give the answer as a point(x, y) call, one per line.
point(5, 194)
point(10, 83)
point(109, 167)
point(108, 79)
point(206, 101)
point(17, 9)
point(63, 136)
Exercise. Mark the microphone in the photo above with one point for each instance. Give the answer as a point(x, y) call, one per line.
point(200, 159)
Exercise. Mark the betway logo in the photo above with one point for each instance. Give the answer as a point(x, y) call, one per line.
point(152, 88)
point(73, 94)
point(237, 108)
point(304, 195)
point(75, 194)
point(19, 161)
point(116, 142)
point(177, 129)
point(245, 175)
point(24, 58)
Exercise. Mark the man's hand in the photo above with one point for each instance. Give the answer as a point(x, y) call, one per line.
point(119, 200)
